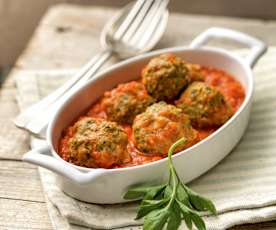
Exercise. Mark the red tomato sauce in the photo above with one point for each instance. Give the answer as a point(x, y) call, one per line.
point(225, 83)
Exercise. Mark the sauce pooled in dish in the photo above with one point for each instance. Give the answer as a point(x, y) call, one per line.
point(136, 122)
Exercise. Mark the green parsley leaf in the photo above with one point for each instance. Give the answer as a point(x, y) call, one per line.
point(197, 220)
point(201, 203)
point(140, 191)
point(148, 205)
point(182, 195)
point(156, 219)
point(168, 191)
point(175, 218)
point(186, 214)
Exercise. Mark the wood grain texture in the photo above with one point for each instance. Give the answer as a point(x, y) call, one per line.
point(20, 181)
point(14, 142)
point(20, 214)
point(67, 37)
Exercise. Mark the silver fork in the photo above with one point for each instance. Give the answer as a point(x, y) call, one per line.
point(136, 30)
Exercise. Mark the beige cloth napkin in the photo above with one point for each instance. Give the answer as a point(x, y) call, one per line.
point(243, 185)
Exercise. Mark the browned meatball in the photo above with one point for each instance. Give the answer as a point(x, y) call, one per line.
point(161, 125)
point(165, 76)
point(205, 105)
point(97, 143)
point(194, 72)
point(123, 103)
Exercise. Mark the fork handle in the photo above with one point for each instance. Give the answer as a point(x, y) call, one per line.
point(86, 72)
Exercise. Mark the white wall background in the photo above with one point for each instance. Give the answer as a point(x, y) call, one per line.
point(18, 18)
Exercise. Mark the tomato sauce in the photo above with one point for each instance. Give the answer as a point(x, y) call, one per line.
point(225, 83)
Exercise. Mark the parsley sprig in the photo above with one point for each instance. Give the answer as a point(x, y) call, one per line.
point(168, 204)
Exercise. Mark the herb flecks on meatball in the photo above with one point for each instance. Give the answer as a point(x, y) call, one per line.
point(205, 105)
point(123, 103)
point(165, 76)
point(97, 143)
point(161, 125)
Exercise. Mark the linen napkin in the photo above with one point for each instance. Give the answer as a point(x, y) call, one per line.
point(242, 186)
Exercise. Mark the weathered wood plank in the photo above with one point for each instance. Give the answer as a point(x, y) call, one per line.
point(20, 181)
point(69, 35)
point(17, 214)
point(9, 134)
point(13, 141)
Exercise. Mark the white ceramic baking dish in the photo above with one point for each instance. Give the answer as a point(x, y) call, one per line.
point(109, 185)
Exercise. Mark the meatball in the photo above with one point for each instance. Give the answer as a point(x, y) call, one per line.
point(165, 76)
point(97, 143)
point(205, 105)
point(194, 72)
point(123, 103)
point(161, 125)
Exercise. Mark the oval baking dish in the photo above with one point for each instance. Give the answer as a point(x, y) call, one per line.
point(109, 185)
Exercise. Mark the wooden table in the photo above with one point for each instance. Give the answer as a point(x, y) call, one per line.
point(66, 38)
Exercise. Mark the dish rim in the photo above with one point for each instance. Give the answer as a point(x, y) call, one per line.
point(248, 97)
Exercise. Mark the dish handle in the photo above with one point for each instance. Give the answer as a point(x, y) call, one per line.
point(257, 47)
point(42, 157)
